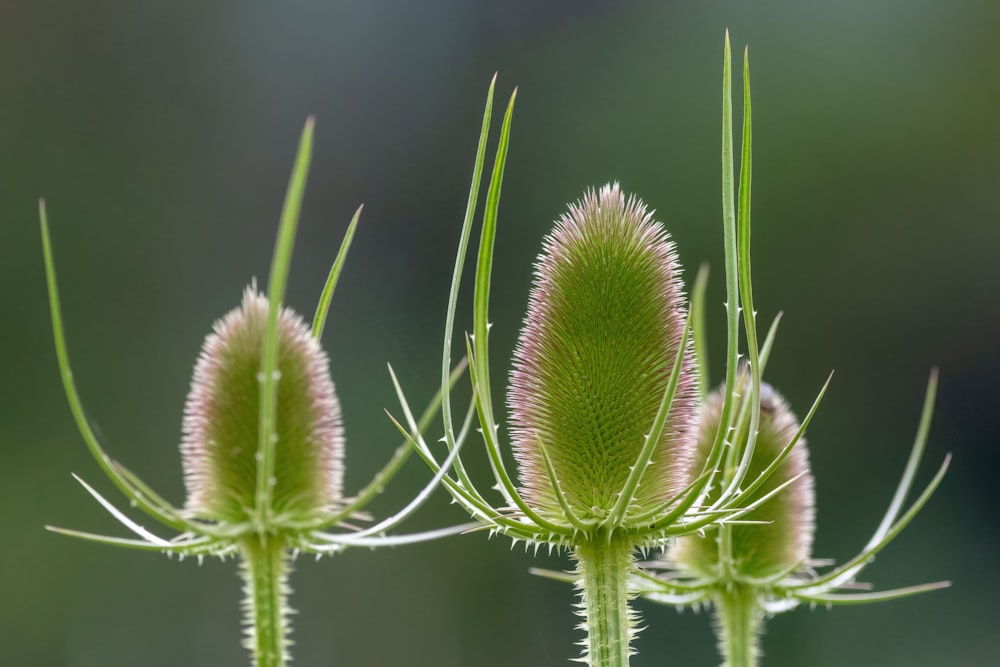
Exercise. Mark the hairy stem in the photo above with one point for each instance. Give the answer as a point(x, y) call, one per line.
point(738, 626)
point(604, 564)
point(265, 586)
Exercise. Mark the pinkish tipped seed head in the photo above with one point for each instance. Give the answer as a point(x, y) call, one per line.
point(221, 420)
point(760, 550)
point(604, 324)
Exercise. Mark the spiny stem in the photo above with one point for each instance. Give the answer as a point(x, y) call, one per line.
point(265, 585)
point(604, 563)
point(739, 619)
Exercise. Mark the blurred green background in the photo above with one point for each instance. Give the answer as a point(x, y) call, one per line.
point(162, 137)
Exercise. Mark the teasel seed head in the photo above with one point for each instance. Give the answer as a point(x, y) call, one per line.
point(785, 541)
point(602, 333)
point(221, 420)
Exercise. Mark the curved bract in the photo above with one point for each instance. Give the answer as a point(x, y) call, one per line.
point(604, 328)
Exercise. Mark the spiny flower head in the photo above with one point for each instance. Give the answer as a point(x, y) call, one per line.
point(262, 445)
point(603, 330)
point(763, 569)
point(783, 539)
point(222, 415)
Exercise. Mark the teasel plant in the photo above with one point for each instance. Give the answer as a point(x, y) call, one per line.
point(263, 446)
point(602, 395)
point(762, 566)
point(749, 572)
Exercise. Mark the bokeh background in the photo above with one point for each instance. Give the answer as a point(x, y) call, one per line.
point(162, 135)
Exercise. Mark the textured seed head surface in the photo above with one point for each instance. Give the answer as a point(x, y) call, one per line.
point(785, 542)
point(603, 328)
point(221, 420)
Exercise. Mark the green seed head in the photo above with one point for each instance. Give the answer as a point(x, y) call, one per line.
point(766, 549)
point(221, 420)
point(604, 325)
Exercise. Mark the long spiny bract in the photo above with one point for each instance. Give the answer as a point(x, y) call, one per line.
point(604, 325)
point(221, 416)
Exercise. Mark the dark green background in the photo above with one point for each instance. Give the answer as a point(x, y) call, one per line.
point(162, 135)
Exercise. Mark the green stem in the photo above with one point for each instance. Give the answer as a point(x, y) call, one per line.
point(604, 564)
point(739, 622)
point(265, 585)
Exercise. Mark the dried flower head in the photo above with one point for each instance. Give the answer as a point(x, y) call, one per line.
point(222, 415)
point(782, 540)
point(604, 327)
